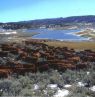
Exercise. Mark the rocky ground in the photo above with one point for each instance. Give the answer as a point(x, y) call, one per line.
point(52, 82)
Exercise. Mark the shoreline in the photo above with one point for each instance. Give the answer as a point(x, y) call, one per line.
point(75, 44)
point(74, 34)
point(69, 40)
point(87, 33)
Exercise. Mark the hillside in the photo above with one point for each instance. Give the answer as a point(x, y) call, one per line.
point(77, 19)
point(49, 22)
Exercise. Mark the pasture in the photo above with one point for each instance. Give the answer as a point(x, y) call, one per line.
point(75, 45)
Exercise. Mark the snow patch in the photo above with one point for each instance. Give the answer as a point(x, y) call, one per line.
point(1, 90)
point(80, 84)
point(52, 86)
point(61, 93)
point(88, 73)
point(67, 86)
point(9, 32)
point(92, 88)
point(45, 92)
point(36, 87)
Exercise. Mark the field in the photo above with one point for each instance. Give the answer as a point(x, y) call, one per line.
point(74, 45)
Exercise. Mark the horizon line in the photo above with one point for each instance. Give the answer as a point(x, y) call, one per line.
point(46, 18)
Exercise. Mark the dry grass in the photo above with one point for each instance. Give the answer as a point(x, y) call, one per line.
point(74, 45)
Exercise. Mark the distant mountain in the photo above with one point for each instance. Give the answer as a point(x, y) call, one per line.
point(52, 21)
point(72, 19)
point(77, 19)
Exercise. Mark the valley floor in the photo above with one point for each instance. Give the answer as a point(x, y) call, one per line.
point(75, 45)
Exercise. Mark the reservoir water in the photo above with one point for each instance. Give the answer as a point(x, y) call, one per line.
point(57, 34)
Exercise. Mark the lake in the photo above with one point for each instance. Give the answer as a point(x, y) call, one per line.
point(68, 35)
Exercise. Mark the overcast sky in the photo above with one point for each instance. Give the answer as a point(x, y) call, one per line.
point(20, 10)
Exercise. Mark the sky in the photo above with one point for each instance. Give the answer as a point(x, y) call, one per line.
point(22, 10)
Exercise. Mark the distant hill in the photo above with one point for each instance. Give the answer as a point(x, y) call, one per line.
point(76, 19)
point(52, 21)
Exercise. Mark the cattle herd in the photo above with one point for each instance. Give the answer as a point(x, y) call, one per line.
point(33, 56)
